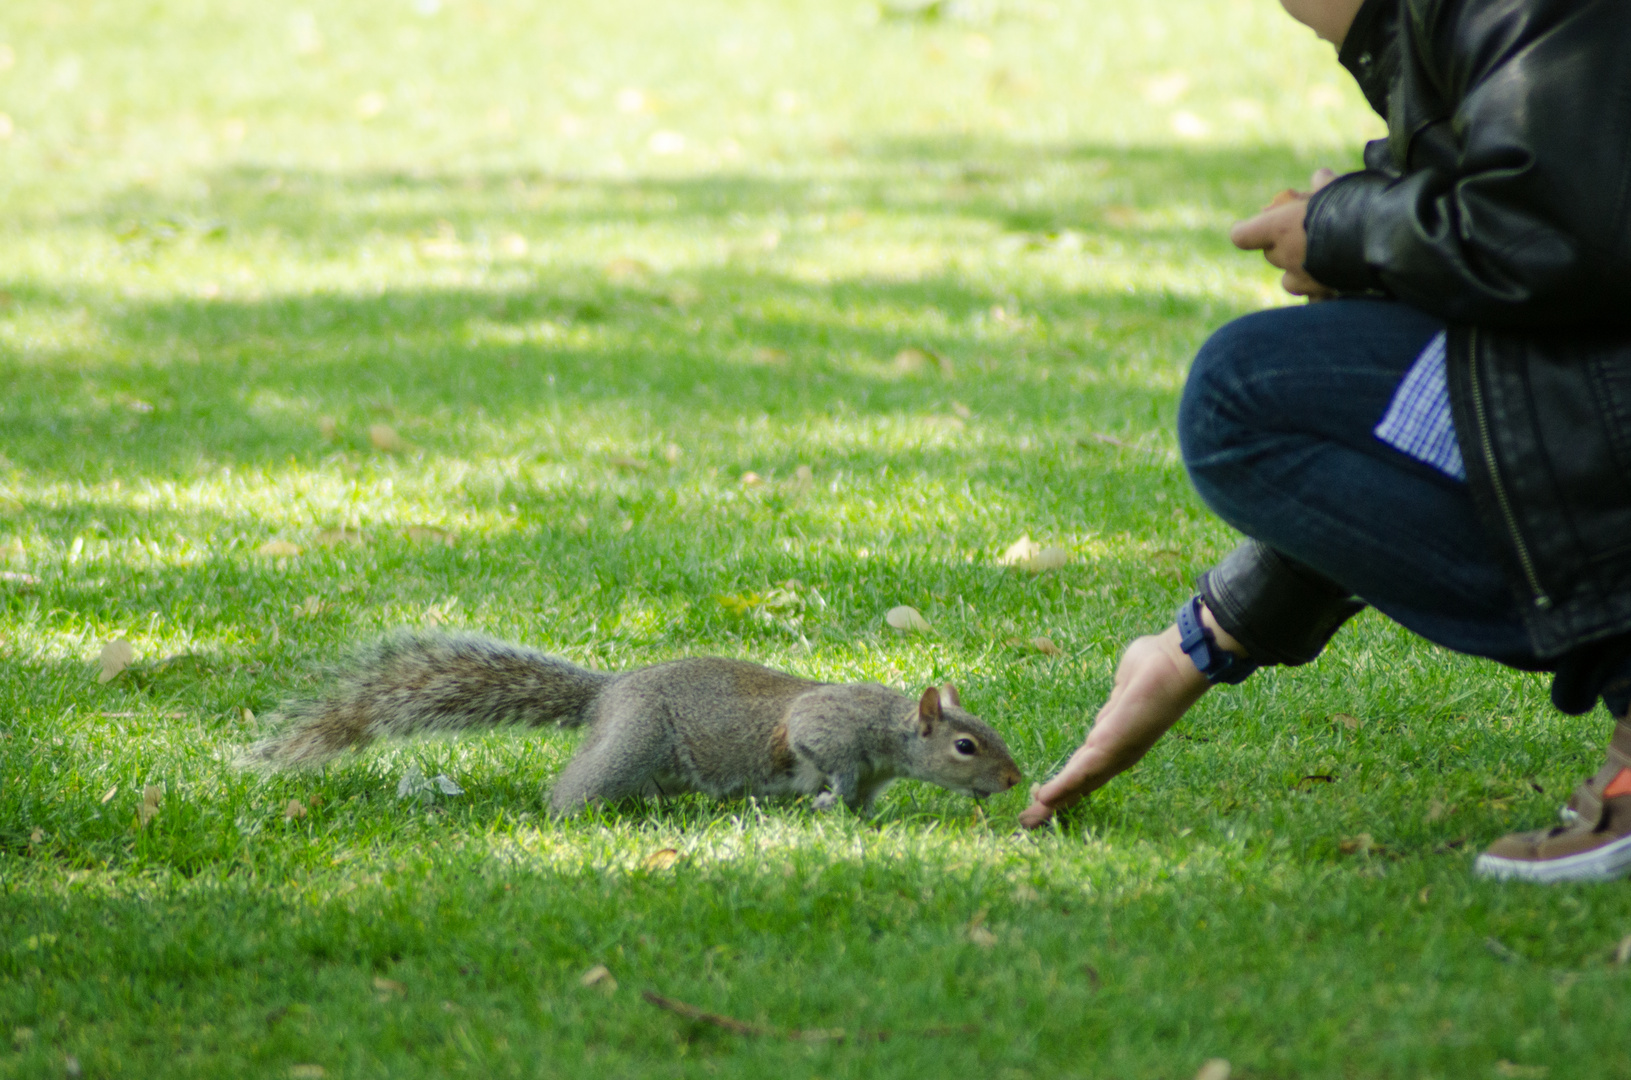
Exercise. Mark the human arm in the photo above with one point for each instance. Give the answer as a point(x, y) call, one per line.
point(1503, 202)
point(1156, 683)
point(1257, 603)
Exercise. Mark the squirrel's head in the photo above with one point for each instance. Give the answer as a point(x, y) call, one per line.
point(959, 751)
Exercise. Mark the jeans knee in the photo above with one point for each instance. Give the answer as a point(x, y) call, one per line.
point(1213, 392)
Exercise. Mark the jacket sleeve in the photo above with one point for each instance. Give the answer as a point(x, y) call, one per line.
point(1509, 207)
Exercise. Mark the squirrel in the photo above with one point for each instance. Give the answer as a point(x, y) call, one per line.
point(705, 724)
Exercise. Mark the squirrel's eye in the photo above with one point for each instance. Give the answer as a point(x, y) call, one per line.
point(965, 746)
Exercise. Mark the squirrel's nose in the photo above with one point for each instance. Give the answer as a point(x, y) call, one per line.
point(1011, 778)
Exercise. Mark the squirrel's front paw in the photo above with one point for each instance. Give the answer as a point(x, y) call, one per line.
point(827, 800)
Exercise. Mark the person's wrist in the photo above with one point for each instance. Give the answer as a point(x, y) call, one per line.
point(1190, 681)
point(1225, 640)
point(1199, 641)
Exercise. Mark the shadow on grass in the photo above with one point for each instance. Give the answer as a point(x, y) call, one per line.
point(1017, 187)
point(167, 387)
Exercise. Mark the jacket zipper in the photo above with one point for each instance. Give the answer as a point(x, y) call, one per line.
point(1487, 444)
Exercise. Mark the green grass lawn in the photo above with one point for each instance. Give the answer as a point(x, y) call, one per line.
point(629, 294)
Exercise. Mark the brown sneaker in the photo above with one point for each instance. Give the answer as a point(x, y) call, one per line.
point(1595, 847)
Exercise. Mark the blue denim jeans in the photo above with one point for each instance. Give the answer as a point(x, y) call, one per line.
point(1276, 428)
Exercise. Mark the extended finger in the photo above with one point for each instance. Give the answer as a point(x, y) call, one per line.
point(1255, 233)
point(1262, 232)
point(1321, 177)
point(1081, 774)
point(1035, 815)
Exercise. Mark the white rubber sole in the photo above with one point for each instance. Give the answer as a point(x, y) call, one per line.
point(1607, 863)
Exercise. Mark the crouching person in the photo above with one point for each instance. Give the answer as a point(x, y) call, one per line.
point(1447, 435)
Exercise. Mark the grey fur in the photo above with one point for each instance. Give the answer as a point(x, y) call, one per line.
point(711, 725)
point(411, 684)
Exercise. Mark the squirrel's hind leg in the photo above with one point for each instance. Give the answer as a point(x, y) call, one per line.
point(617, 761)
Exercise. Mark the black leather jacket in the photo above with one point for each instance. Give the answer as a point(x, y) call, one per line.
point(1499, 201)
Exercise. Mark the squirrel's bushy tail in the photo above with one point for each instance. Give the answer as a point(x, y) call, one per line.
point(414, 683)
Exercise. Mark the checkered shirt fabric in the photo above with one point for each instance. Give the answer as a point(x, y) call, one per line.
point(1418, 421)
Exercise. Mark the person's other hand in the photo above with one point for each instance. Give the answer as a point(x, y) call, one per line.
point(1279, 234)
point(1156, 683)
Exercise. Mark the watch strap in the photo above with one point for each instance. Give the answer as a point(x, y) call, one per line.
point(1218, 664)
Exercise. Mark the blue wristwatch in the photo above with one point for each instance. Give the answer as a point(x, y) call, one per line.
point(1217, 664)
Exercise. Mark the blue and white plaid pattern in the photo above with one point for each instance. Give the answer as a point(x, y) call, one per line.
point(1418, 421)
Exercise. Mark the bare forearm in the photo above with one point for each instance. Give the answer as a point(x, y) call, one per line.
point(1156, 683)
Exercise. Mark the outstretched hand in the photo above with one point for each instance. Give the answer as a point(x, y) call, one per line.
point(1278, 232)
point(1156, 683)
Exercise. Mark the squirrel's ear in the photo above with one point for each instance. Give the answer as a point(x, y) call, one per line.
point(928, 711)
point(949, 698)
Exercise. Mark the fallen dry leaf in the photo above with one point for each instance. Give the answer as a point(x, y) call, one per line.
point(764, 354)
point(389, 986)
point(683, 296)
point(1019, 551)
point(328, 427)
point(278, 549)
point(1049, 558)
point(307, 1072)
point(1622, 955)
point(1213, 1069)
point(1350, 722)
point(912, 360)
point(247, 715)
point(335, 537)
point(1027, 554)
point(599, 978)
point(751, 479)
point(672, 453)
point(152, 795)
point(907, 619)
point(38, 837)
point(384, 437)
point(312, 605)
point(107, 796)
point(1363, 844)
point(423, 534)
point(19, 579)
point(661, 859)
point(116, 656)
point(626, 271)
point(295, 810)
point(1513, 1071)
point(803, 478)
point(444, 246)
point(629, 463)
point(977, 931)
point(1045, 646)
